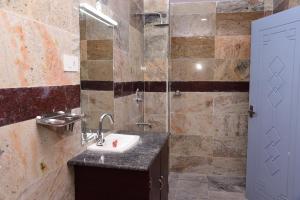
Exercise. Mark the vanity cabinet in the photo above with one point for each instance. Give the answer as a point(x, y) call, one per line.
point(105, 183)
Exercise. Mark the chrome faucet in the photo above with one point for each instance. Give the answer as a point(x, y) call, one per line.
point(100, 135)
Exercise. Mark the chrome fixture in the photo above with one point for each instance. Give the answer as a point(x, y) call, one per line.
point(100, 135)
point(97, 14)
point(138, 96)
point(144, 124)
point(59, 120)
point(177, 93)
point(160, 14)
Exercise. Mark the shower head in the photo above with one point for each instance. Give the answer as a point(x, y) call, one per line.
point(161, 25)
point(161, 18)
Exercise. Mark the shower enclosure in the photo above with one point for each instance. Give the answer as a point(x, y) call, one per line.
point(124, 67)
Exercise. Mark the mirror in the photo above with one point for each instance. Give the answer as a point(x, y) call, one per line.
point(96, 47)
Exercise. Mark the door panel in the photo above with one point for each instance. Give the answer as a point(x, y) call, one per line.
point(273, 93)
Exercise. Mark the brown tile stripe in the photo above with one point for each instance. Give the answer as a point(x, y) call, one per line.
point(128, 88)
point(20, 104)
point(209, 86)
point(97, 85)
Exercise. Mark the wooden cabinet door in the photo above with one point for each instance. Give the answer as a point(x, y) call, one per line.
point(154, 179)
point(164, 171)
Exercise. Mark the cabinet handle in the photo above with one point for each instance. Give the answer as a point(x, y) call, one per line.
point(161, 182)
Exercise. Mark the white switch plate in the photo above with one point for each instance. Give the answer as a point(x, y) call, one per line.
point(71, 63)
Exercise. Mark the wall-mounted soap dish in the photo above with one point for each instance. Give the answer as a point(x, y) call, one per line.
point(59, 120)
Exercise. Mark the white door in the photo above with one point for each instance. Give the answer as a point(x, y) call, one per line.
point(273, 153)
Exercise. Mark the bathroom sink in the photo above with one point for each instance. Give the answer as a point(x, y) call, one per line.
point(118, 143)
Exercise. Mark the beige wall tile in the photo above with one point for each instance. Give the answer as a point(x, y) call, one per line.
point(156, 69)
point(31, 152)
point(193, 25)
point(232, 47)
point(155, 102)
point(232, 70)
point(231, 125)
point(185, 69)
point(191, 145)
point(191, 123)
point(99, 70)
point(230, 147)
point(228, 166)
point(200, 7)
point(156, 5)
point(157, 121)
point(193, 47)
point(236, 23)
point(191, 164)
point(27, 44)
point(99, 49)
point(198, 102)
point(229, 103)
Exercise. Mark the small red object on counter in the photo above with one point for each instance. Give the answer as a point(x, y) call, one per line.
point(115, 143)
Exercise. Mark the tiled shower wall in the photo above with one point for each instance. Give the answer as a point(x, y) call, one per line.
point(156, 64)
point(210, 51)
point(34, 36)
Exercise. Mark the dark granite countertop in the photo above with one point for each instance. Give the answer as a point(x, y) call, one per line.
point(139, 157)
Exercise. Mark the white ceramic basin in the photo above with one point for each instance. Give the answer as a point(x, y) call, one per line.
point(118, 143)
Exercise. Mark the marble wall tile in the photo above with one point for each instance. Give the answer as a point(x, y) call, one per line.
point(95, 30)
point(29, 44)
point(280, 5)
point(58, 184)
point(99, 70)
point(231, 125)
point(156, 5)
point(227, 183)
point(121, 34)
point(232, 6)
point(232, 70)
point(155, 102)
point(63, 15)
point(157, 121)
point(236, 23)
point(227, 196)
point(127, 113)
point(231, 147)
point(136, 49)
point(191, 145)
point(193, 47)
point(156, 69)
point(83, 50)
point(185, 69)
point(156, 42)
point(193, 25)
point(190, 8)
point(122, 69)
point(191, 164)
point(228, 166)
point(99, 49)
point(31, 152)
point(188, 189)
point(197, 102)
point(293, 3)
point(192, 124)
point(230, 103)
point(232, 47)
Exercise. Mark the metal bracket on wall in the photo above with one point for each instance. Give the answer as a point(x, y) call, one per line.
point(144, 124)
point(59, 120)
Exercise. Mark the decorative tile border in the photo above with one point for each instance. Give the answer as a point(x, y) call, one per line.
point(20, 104)
point(209, 86)
point(128, 88)
point(97, 85)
